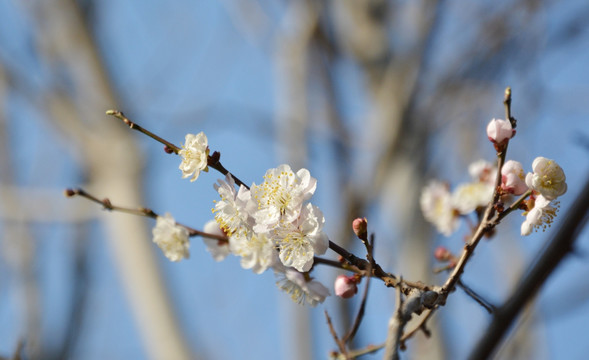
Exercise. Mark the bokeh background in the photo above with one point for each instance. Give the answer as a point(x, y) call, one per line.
point(374, 97)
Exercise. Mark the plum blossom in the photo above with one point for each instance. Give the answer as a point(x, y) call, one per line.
point(301, 288)
point(219, 249)
point(513, 178)
point(171, 238)
point(437, 208)
point(194, 153)
point(470, 196)
point(302, 239)
point(548, 178)
point(230, 212)
point(257, 251)
point(500, 131)
point(541, 215)
point(483, 171)
point(280, 197)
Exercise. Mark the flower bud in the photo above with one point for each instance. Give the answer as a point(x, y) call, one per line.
point(345, 286)
point(442, 254)
point(360, 226)
point(499, 131)
point(513, 178)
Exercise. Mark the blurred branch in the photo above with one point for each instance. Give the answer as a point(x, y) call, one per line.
point(547, 261)
point(18, 245)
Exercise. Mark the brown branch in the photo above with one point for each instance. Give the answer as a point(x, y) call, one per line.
point(486, 223)
point(340, 344)
point(212, 160)
point(358, 320)
point(119, 115)
point(389, 279)
point(107, 205)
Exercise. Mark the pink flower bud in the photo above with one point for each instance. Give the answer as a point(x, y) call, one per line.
point(499, 131)
point(442, 254)
point(345, 286)
point(360, 226)
point(513, 179)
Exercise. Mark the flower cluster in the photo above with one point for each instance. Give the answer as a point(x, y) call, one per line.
point(443, 208)
point(273, 226)
point(543, 186)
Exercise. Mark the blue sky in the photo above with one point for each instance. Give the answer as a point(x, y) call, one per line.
point(185, 67)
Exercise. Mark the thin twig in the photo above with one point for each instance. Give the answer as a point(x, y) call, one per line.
point(476, 297)
point(420, 327)
point(486, 223)
point(107, 205)
point(369, 349)
point(389, 279)
point(212, 161)
point(119, 115)
point(358, 320)
point(340, 344)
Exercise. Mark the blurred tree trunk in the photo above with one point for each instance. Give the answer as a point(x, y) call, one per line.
point(111, 161)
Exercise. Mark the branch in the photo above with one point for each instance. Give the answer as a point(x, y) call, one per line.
point(548, 260)
point(476, 297)
point(139, 212)
point(487, 223)
point(369, 248)
point(396, 325)
point(340, 344)
point(212, 160)
point(119, 115)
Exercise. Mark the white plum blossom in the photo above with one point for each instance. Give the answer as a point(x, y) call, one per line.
point(194, 153)
point(513, 178)
point(280, 197)
point(230, 212)
point(257, 251)
point(171, 238)
point(301, 288)
point(541, 215)
point(302, 239)
point(470, 196)
point(483, 171)
point(437, 208)
point(499, 131)
point(219, 249)
point(548, 178)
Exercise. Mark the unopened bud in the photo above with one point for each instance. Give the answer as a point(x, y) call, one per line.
point(345, 286)
point(360, 226)
point(499, 131)
point(442, 254)
point(69, 192)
